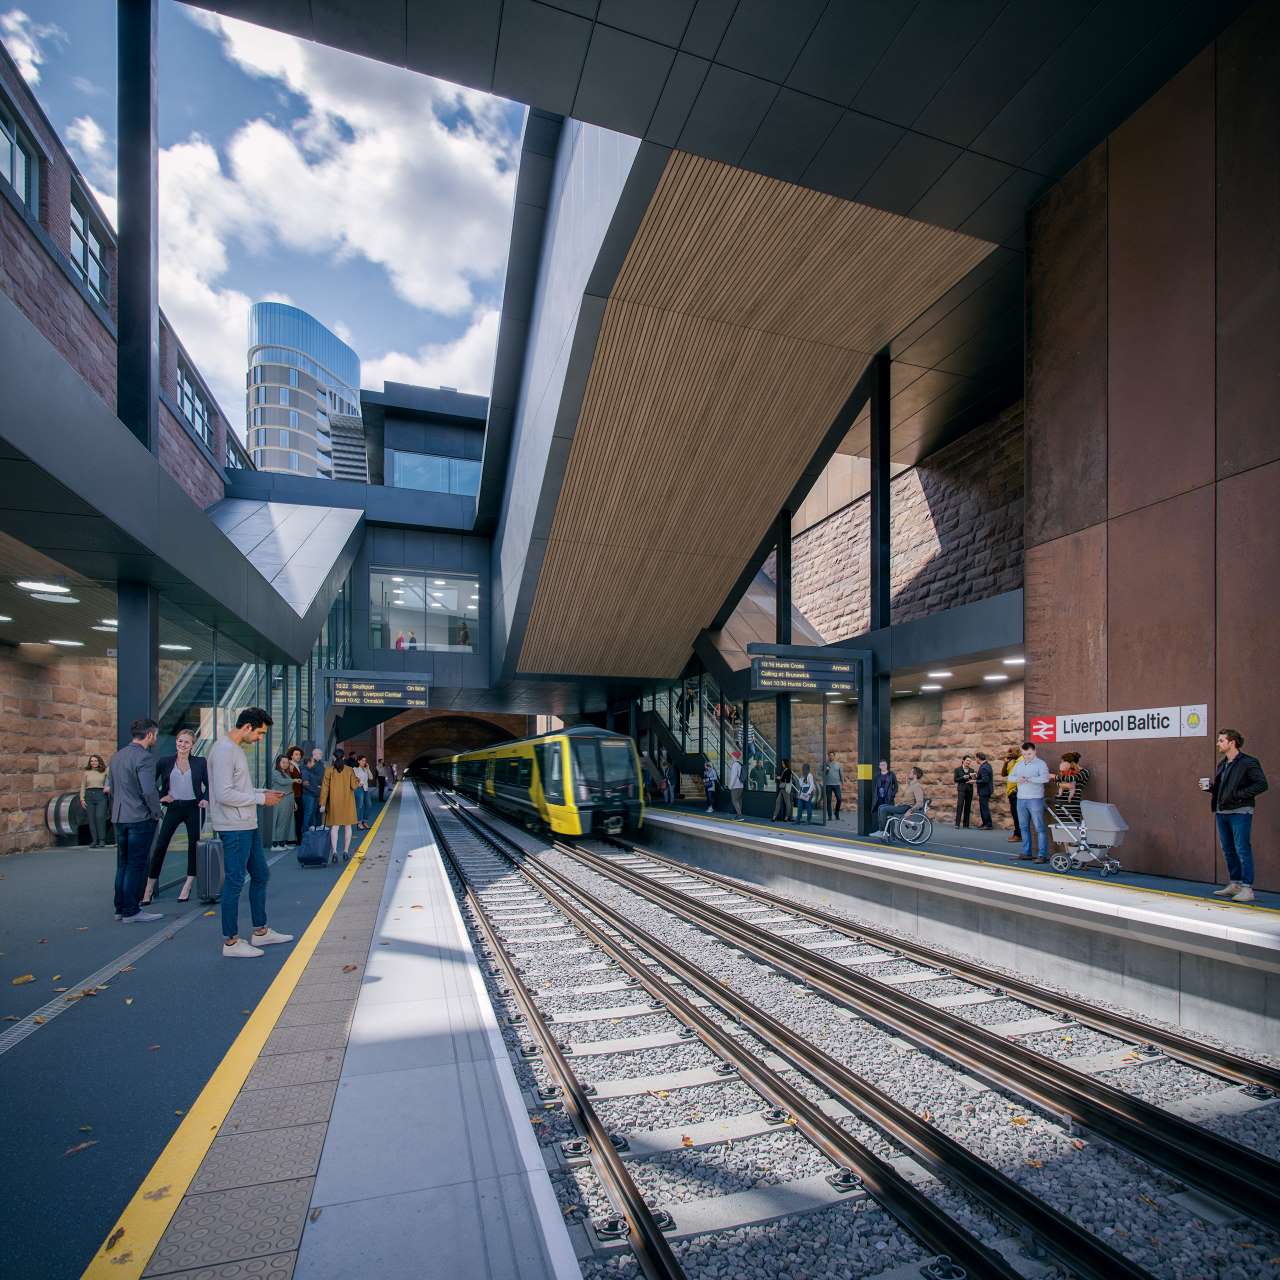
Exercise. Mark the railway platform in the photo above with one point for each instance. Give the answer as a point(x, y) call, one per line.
point(1161, 948)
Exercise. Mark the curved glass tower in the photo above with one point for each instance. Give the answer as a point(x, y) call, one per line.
point(300, 373)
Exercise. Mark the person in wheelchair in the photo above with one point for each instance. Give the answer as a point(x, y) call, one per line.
point(915, 790)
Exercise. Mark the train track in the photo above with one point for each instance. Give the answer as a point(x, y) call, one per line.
point(633, 950)
point(1188, 1152)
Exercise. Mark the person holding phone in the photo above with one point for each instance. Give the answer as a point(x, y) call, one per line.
point(1237, 782)
point(233, 809)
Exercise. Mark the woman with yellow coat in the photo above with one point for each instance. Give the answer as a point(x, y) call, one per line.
point(338, 802)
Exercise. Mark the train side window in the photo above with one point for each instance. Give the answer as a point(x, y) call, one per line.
point(525, 774)
point(551, 762)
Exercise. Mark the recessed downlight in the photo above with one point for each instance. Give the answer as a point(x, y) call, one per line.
point(438, 581)
point(53, 588)
point(52, 599)
point(4, 617)
point(69, 644)
point(995, 679)
point(109, 622)
point(1014, 662)
point(435, 604)
point(938, 675)
point(930, 688)
point(397, 579)
point(111, 631)
point(177, 648)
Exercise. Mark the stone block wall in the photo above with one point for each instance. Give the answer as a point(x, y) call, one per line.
point(54, 717)
point(935, 733)
point(956, 536)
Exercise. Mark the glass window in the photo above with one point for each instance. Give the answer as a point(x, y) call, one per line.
point(551, 766)
point(16, 166)
point(284, 395)
point(432, 611)
point(293, 377)
point(464, 477)
point(234, 461)
point(293, 417)
point(86, 253)
point(619, 764)
point(193, 405)
point(432, 473)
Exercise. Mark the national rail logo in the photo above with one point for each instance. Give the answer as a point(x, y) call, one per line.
point(1044, 728)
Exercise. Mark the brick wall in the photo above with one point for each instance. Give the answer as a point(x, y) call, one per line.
point(956, 537)
point(54, 717)
point(935, 733)
point(35, 273)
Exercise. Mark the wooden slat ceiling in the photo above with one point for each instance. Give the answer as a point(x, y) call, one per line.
point(745, 311)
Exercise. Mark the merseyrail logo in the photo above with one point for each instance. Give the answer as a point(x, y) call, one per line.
point(1107, 726)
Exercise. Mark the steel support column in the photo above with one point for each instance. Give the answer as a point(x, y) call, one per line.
point(137, 655)
point(782, 622)
point(137, 243)
point(873, 705)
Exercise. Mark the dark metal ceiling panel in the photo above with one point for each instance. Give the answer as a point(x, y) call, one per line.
point(707, 26)
point(851, 154)
point(960, 191)
point(953, 326)
point(540, 55)
point(621, 80)
point(373, 28)
point(907, 172)
point(661, 20)
point(459, 33)
point(764, 37)
point(676, 101)
point(995, 262)
point(849, 40)
point(1007, 55)
point(931, 44)
point(726, 115)
point(790, 135)
point(1000, 216)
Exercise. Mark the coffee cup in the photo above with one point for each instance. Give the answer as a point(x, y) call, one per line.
point(1206, 784)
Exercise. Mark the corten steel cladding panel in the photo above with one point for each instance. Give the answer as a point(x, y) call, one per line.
point(743, 316)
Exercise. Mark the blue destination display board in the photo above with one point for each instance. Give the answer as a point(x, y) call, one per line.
point(379, 693)
point(771, 674)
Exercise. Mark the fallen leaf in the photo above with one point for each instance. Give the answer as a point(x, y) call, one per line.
point(114, 1239)
point(82, 928)
point(160, 1193)
point(209, 913)
point(685, 1140)
point(1033, 1164)
point(10, 1017)
point(80, 1146)
point(126, 1256)
point(1017, 1119)
point(1149, 1200)
point(417, 906)
point(349, 968)
point(127, 969)
point(153, 1047)
point(926, 1115)
point(314, 1215)
point(38, 1020)
point(570, 1209)
point(59, 988)
point(128, 999)
point(23, 979)
point(89, 991)
point(86, 1128)
point(245, 1012)
point(42, 940)
point(55, 977)
point(1078, 1143)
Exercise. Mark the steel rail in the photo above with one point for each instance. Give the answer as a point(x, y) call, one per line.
point(651, 1248)
point(1205, 1057)
point(1077, 1249)
point(1220, 1168)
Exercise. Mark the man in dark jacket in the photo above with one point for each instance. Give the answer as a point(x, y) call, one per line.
point(312, 781)
point(986, 782)
point(964, 776)
point(135, 811)
point(1236, 783)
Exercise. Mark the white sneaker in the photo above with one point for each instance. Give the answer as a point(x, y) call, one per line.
point(711, 811)
point(1243, 894)
point(1228, 890)
point(875, 835)
point(239, 948)
point(270, 938)
point(143, 917)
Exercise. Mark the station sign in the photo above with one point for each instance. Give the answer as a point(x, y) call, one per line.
point(770, 674)
point(1190, 721)
point(352, 692)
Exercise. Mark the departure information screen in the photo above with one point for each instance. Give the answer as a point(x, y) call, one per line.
point(379, 693)
point(802, 675)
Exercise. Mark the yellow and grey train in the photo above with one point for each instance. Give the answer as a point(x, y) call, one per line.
point(572, 782)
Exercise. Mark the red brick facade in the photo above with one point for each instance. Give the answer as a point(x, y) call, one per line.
point(36, 273)
point(956, 537)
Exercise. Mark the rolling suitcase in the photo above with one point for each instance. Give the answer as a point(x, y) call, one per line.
point(209, 869)
point(314, 849)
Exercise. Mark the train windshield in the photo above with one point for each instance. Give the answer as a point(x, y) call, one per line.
point(586, 764)
point(619, 767)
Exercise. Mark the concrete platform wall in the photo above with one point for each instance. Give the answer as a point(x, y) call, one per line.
point(1220, 988)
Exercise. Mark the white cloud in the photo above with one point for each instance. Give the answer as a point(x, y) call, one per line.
point(24, 38)
point(87, 142)
point(465, 363)
point(86, 136)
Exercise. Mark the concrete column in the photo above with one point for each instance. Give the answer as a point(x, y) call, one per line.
point(137, 236)
point(137, 655)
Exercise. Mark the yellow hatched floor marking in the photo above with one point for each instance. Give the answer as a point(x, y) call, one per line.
point(877, 847)
point(131, 1242)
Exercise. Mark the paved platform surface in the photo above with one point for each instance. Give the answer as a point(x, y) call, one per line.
point(366, 1121)
point(966, 844)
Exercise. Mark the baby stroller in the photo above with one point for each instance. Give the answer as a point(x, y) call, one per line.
point(1089, 838)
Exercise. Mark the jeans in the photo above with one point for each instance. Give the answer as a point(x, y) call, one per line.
point(1031, 810)
point(833, 797)
point(1013, 813)
point(310, 810)
point(177, 813)
point(95, 803)
point(1234, 834)
point(885, 811)
point(711, 796)
point(362, 804)
point(735, 794)
point(133, 845)
point(241, 852)
point(804, 808)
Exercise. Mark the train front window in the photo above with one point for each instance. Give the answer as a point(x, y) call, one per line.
point(551, 764)
point(619, 765)
point(586, 767)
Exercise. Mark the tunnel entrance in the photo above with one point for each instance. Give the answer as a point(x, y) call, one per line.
point(414, 746)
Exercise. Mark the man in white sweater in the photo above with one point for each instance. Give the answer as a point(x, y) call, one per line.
point(233, 812)
point(1032, 776)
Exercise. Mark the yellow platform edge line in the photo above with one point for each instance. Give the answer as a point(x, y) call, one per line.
point(878, 847)
point(138, 1230)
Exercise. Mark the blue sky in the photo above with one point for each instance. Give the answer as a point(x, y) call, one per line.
point(377, 199)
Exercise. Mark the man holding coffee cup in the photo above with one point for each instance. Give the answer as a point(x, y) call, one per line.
point(1232, 789)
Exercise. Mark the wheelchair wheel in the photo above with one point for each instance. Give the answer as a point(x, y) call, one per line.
point(1060, 862)
point(915, 827)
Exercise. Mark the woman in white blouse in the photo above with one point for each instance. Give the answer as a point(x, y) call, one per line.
point(183, 783)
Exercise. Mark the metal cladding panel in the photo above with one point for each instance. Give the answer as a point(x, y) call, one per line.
point(743, 316)
point(1161, 294)
point(1249, 526)
point(1248, 219)
point(1160, 651)
point(1066, 370)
